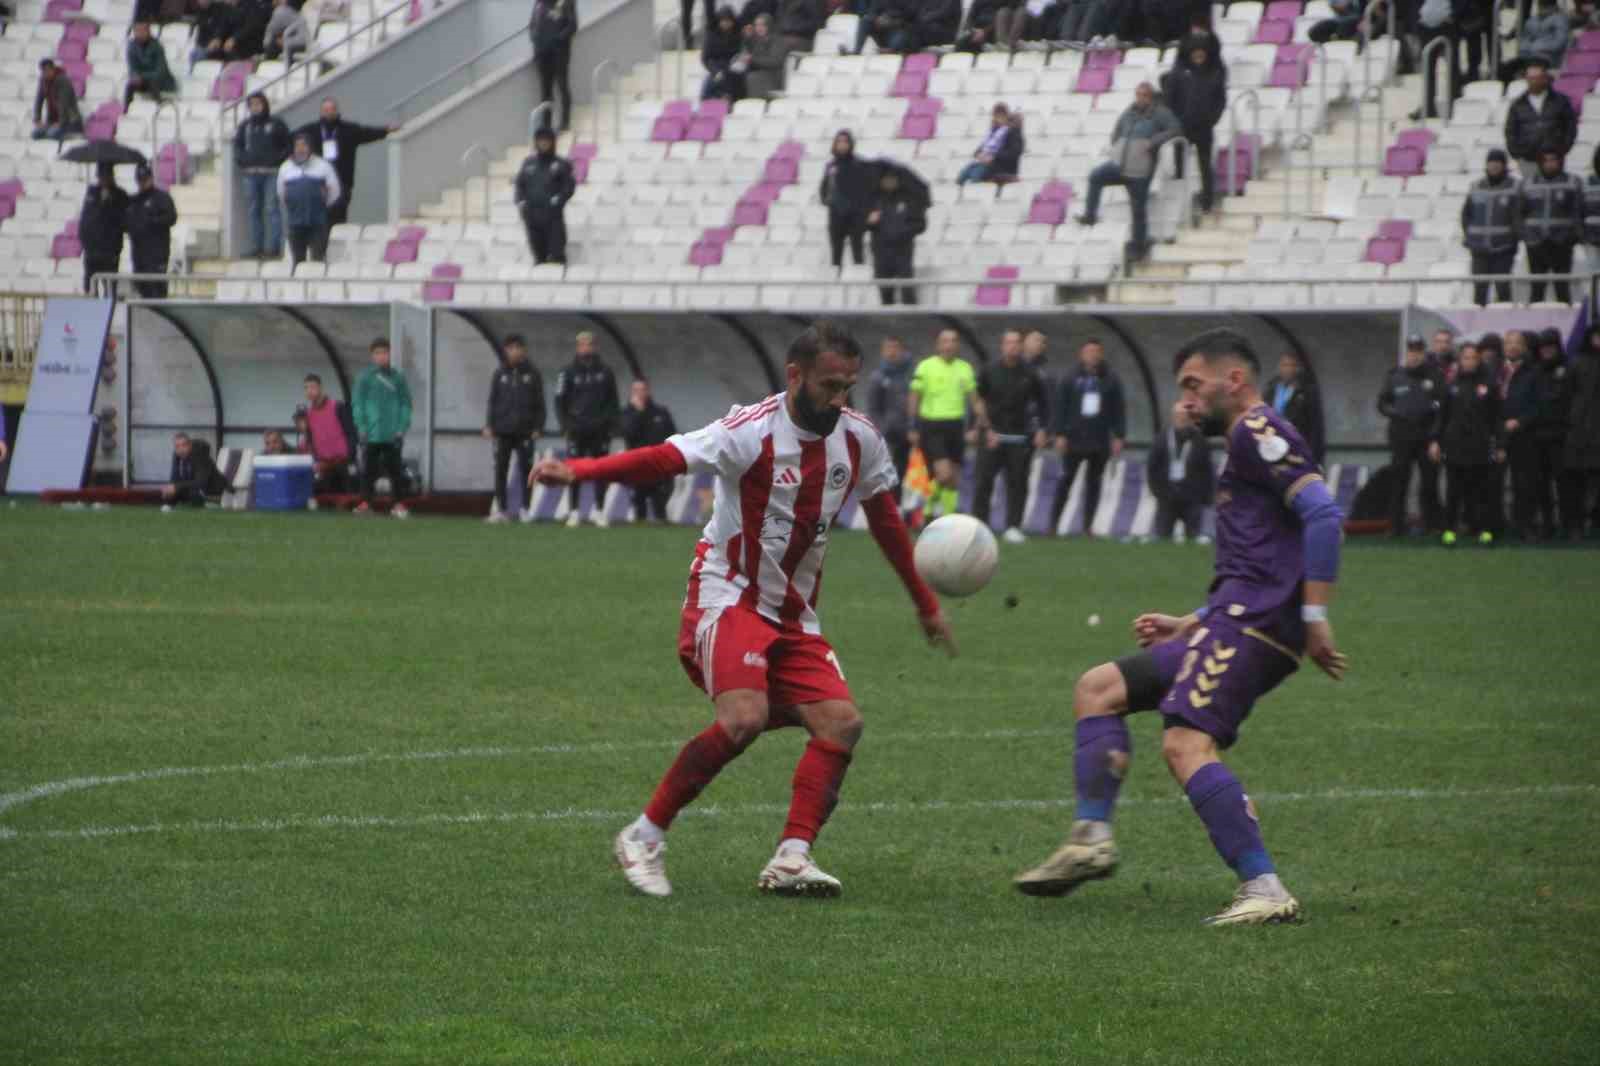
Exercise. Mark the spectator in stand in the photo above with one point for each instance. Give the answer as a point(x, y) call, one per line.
point(382, 416)
point(1196, 90)
point(1491, 220)
point(1544, 37)
point(1166, 21)
point(1178, 470)
point(554, 24)
point(102, 223)
point(328, 436)
point(888, 395)
point(941, 388)
point(1552, 222)
point(646, 423)
point(765, 58)
point(1012, 395)
point(1539, 119)
point(309, 189)
point(272, 443)
point(542, 188)
point(215, 22)
point(937, 23)
point(998, 157)
point(336, 141)
point(149, 219)
point(1091, 424)
point(799, 21)
point(1139, 134)
point(1346, 22)
point(148, 73)
point(848, 188)
point(1436, 19)
point(890, 23)
point(587, 407)
point(55, 104)
point(1591, 207)
point(1294, 396)
point(1580, 484)
point(1550, 427)
point(287, 32)
point(897, 218)
point(1410, 400)
point(1469, 418)
point(192, 476)
point(261, 144)
point(514, 422)
point(250, 30)
point(1097, 25)
point(723, 45)
point(1072, 20)
point(991, 22)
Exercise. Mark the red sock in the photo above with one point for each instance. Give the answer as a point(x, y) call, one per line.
point(700, 760)
point(817, 778)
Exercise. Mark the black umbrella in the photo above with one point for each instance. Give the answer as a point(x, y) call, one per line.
point(107, 152)
point(910, 180)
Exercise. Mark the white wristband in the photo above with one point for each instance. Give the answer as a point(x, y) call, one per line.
point(1313, 612)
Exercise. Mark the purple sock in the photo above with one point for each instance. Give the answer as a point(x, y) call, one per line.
point(1219, 799)
point(1101, 761)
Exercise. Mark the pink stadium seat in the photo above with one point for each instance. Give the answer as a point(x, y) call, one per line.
point(65, 246)
point(71, 228)
point(997, 295)
point(717, 235)
point(1588, 41)
point(172, 164)
point(1575, 89)
point(70, 48)
point(1103, 59)
point(703, 253)
point(8, 207)
point(227, 88)
point(441, 288)
point(925, 105)
point(1282, 11)
point(1385, 250)
point(583, 150)
point(780, 170)
point(11, 188)
point(681, 108)
point(749, 213)
point(669, 129)
point(1395, 229)
point(1094, 80)
point(400, 251)
point(580, 169)
point(1272, 32)
point(1047, 212)
point(1403, 161)
point(912, 83)
point(100, 128)
point(921, 62)
point(1294, 53)
point(704, 128)
point(414, 12)
point(918, 127)
point(1287, 75)
point(789, 150)
point(1581, 63)
point(763, 192)
point(716, 106)
point(80, 30)
point(1416, 138)
point(62, 10)
point(78, 72)
point(412, 234)
point(1055, 191)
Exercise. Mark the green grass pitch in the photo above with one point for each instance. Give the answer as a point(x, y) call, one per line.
point(316, 789)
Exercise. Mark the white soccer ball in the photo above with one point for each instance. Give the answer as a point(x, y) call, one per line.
point(957, 555)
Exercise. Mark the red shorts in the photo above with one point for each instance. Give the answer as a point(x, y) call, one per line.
point(727, 648)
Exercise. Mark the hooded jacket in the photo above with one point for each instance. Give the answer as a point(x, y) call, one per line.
point(768, 55)
point(721, 46)
point(262, 141)
point(1410, 400)
point(544, 185)
point(1196, 95)
point(149, 219)
point(1469, 419)
point(848, 185)
point(1553, 397)
point(147, 61)
point(103, 221)
point(1583, 430)
point(888, 394)
point(59, 96)
point(250, 33)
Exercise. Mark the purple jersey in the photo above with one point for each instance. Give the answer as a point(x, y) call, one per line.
point(1260, 547)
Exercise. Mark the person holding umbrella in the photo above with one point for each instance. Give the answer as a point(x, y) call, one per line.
point(102, 223)
point(151, 214)
point(898, 216)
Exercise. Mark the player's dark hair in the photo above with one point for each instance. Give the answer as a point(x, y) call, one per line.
point(311, 378)
point(379, 342)
point(1096, 341)
point(822, 336)
point(515, 338)
point(1215, 344)
point(180, 435)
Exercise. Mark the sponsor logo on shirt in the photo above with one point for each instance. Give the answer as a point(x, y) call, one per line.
point(838, 476)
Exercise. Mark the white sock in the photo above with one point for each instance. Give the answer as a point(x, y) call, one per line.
point(795, 844)
point(646, 830)
point(1270, 885)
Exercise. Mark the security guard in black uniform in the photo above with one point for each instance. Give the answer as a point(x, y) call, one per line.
point(587, 405)
point(516, 418)
point(149, 220)
point(1410, 401)
point(1492, 220)
point(646, 423)
point(543, 186)
point(1013, 396)
point(101, 224)
point(1552, 222)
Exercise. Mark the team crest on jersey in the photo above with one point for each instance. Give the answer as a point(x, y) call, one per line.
point(838, 476)
point(1272, 447)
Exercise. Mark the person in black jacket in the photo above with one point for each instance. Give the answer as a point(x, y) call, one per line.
point(336, 140)
point(1012, 395)
point(798, 22)
point(260, 145)
point(552, 27)
point(646, 423)
point(1410, 400)
point(1294, 396)
point(193, 474)
point(249, 29)
point(1581, 460)
point(1196, 90)
point(543, 186)
point(1491, 220)
point(1538, 119)
point(992, 22)
point(890, 23)
point(1554, 396)
point(149, 219)
point(1551, 222)
point(1090, 424)
point(102, 224)
point(888, 392)
point(215, 22)
point(1469, 423)
point(1178, 471)
point(848, 189)
point(586, 404)
point(998, 157)
point(1519, 411)
point(514, 421)
point(937, 23)
point(724, 40)
point(896, 220)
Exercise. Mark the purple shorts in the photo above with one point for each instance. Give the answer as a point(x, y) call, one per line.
point(1209, 680)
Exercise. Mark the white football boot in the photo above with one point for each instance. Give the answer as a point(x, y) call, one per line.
point(1260, 901)
point(574, 519)
point(1089, 854)
point(795, 873)
point(1014, 536)
point(643, 863)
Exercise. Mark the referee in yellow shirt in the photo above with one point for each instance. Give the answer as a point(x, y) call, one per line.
point(941, 388)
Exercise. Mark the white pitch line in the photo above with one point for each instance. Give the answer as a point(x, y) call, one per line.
point(575, 814)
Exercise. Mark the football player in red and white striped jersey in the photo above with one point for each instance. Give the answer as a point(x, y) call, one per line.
point(750, 636)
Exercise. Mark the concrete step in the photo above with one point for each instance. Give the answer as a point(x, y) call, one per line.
point(1141, 295)
point(1178, 254)
point(1155, 269)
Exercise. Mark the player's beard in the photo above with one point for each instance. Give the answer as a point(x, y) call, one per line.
point(813, 419)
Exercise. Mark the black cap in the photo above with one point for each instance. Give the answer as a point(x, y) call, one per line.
point(143, 171)
point(46, 63)
point(1550, 336)
point(1416, 341)
point(542, 132)
point(1497, 155)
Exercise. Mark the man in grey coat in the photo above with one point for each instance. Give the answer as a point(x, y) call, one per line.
point(1139, 134)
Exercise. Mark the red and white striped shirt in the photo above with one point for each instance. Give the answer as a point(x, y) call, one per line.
point(778, 491)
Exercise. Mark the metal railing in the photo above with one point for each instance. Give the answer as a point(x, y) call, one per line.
point(1494, 34)
point(1233, 138)
point(1425, 65)
point(682, 40)
point(475, 149)
point(469, 66)
point(548, 107)
point(1368, 88)
point(180, 176)
point(604, 66)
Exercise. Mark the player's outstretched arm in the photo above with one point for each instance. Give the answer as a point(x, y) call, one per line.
point(640, 466)
point(889, 530)
point(1324, 531)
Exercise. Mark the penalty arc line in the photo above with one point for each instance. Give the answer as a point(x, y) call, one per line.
point(580, 815)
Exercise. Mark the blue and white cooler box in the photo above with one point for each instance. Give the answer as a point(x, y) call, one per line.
point(282, 482)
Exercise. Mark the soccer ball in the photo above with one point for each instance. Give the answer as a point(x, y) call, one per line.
point(957, 555)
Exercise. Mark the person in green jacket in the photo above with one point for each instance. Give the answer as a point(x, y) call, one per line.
point(383, 414)
point(148, 72)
